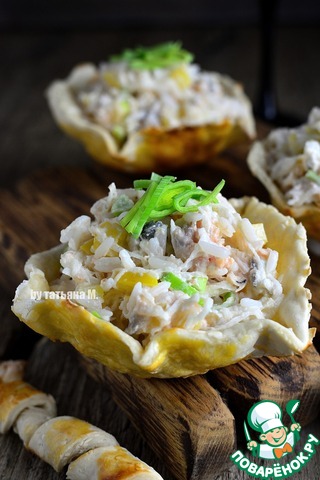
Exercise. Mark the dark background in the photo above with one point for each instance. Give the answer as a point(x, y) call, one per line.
point(42, 41)
point(91, 14)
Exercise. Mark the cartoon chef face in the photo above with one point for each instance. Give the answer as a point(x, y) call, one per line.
point(265, 417)
point(276, 436)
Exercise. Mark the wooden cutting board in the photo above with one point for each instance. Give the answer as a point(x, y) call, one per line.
point(192, 424)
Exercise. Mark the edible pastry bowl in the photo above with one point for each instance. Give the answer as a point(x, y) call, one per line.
point(308, 215)
point(148, 150)
point(178, 352)
point(161, 144)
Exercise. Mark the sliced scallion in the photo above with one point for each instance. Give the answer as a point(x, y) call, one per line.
point(313, 176)
point(228, 299)
point(178, 284)
point(164, 55)
point(200, 283)
point(163, 197)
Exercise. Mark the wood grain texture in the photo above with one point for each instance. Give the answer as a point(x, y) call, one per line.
point(55, 368)
point(184, 420)
point(272, 378)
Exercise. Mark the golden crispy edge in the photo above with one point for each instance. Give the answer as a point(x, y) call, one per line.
point(110, 463)
point(58, 440)
point(149, 149)
point(178, 352)
point(309, 215)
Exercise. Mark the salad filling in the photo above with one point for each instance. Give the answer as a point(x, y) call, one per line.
point(293, 161)
point(158, 88)
point(180, 257)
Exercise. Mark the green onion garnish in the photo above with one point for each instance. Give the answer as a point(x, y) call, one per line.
point(178, 284)
point(164, 196)
point(200, 283)
point(159, 56)
point(96, 314)
point(228, 298)
point(313, 176)
point(122, 204)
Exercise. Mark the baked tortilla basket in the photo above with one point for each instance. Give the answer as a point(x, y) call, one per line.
point(176, 350)
point(151, 147)
point(301, 143)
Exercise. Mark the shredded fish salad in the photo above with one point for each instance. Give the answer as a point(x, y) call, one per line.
point(143, 89)
point(293, 161)
point(182, 257)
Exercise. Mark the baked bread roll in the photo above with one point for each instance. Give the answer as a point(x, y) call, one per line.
point(114, 463)
point(17, 396)
point(11, 370)
point(30, 420)
point(61, 440)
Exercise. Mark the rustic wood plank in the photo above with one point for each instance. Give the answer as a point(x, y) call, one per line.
point(184, 420)
point(37, 208)
point(55, 368)
point(272, 378)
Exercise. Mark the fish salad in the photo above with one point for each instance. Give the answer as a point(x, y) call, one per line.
point(167, 279)
point(158, 88)
point(293, 161)
point(199, 268)
point(151, 109)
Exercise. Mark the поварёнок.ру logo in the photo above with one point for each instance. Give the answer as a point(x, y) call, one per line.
point(277, 441)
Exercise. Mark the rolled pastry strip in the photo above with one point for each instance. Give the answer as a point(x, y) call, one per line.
point(59, 440)
point(12, 370)
point(30, 420)
point(113, 462)
point(16, 396)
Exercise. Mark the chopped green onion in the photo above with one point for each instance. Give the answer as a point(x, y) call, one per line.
point(124, 107)
point(166, 202)
point(145, 215)
point(122, 204)
point(229, 299)
point(164, 196)
point(313, 176)
point(141, 184)
point(156, 177)
point(96, 314)
point(212, 197)
point(182, 199)
point(119, 133)
point(200, 283)
point(164, 55)
point(178, 284)
point(141, 210)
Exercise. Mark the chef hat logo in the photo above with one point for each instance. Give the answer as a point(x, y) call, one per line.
point(265, 416)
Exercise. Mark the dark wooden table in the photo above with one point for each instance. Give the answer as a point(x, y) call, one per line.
point(30, 141)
